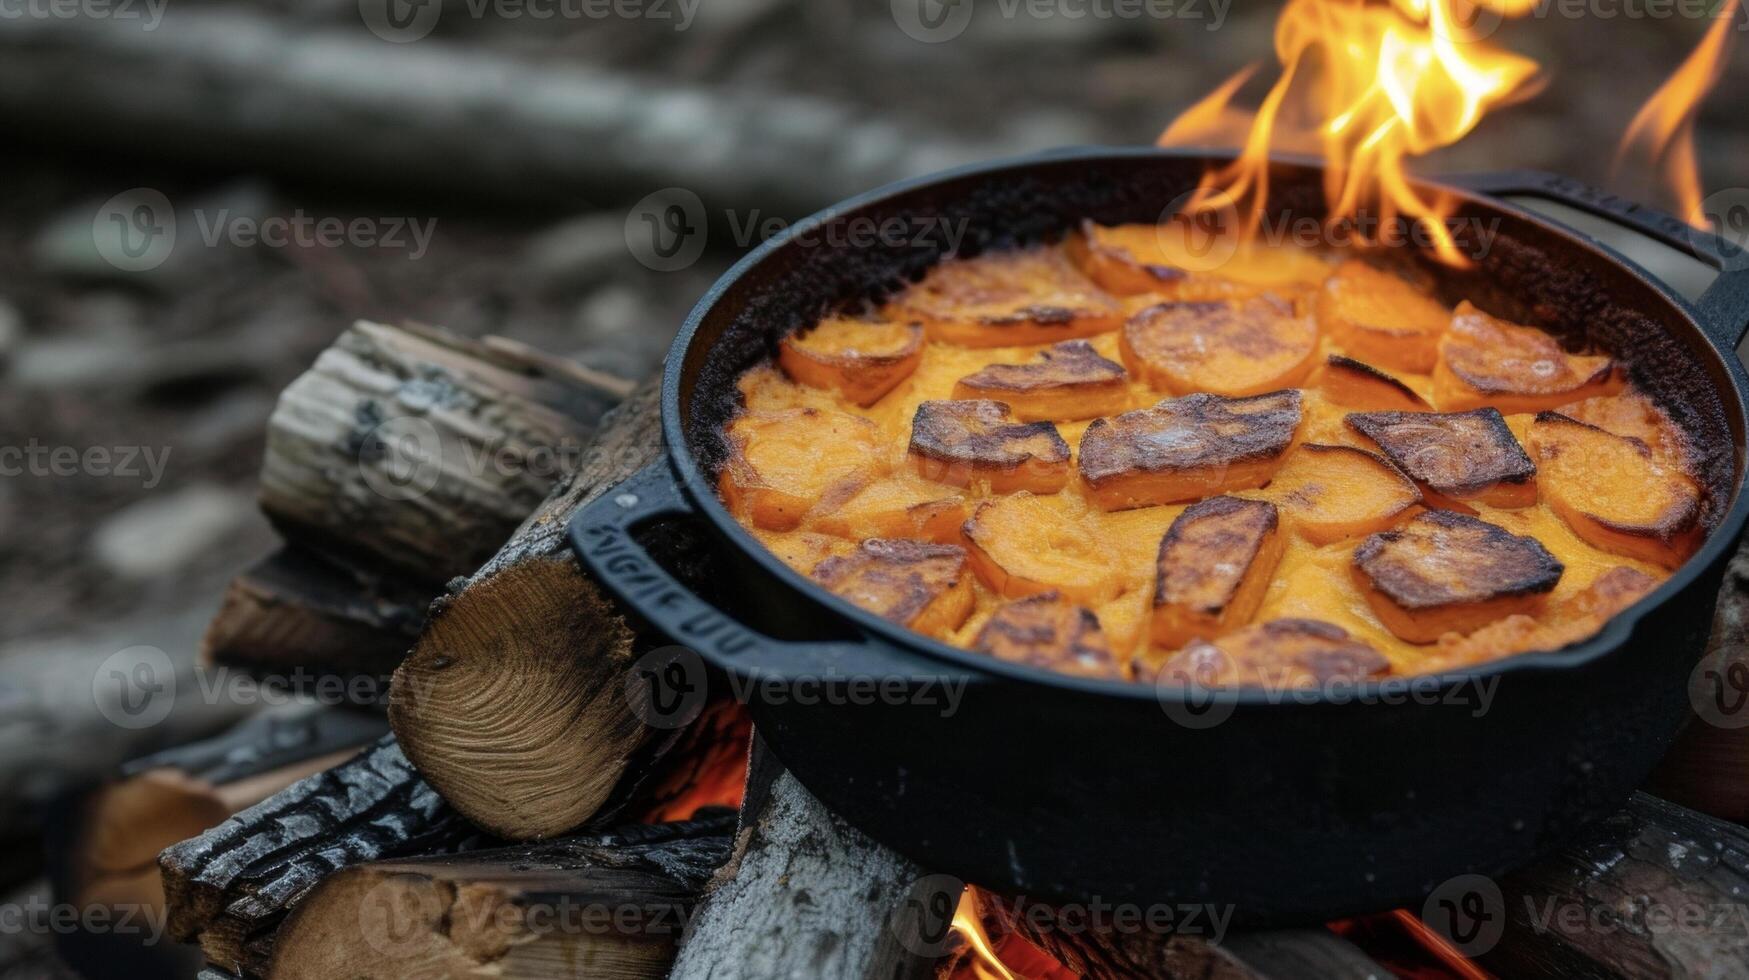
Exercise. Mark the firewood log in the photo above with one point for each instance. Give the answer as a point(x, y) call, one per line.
point(606, 906)
point(103, 853)
point(422, 450)
point(513, 702)
point(230, 887)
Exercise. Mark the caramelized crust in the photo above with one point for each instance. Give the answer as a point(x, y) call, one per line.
point(782, 464)
point(1144, 258)
point(1213, 568)
point(1578, 618)
point(860, 359)
point(1021, 545)
point(1235, 349)
point(922, 586)
point(1187, 448)
point(1353, 384)
point(1380, 318)
point(1458, 455)
point(961, 442)
point(1281, 654)
point(1634, 415)
point(1067, 381)
point(1005, 299)
point(901, 506)
point(1444, 572)
point(1045, 630)
point(1484, 360)
point(1335, 492)
point(1613, 493)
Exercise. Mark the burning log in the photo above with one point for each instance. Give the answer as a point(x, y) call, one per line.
point(230, 887)
point(805, 894)
point(530, 637)
point(607, 906)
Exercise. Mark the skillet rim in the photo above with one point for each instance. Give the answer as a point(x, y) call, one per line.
point(1611, 639)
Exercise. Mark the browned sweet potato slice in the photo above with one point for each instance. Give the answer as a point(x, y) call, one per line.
point(861, 359)
point(900, 506)
point(1487, 361)
point(1066, 381)
point(1187, 448)
point(1613, 493)
point(1152, 258)
point(1633, 414)
point(1335, 492)
point(1577, 618)
point(1021, 545)
point(783, 464)
point(1277, 655)
point(1046, 630)
point(1381, 319)
point(1213, 568)
point(1457, 455)
point(962, 442)
point(1443, 572)
point(1234, 349)
point(922, 586)
point(1353, 384)
point(1005, 299)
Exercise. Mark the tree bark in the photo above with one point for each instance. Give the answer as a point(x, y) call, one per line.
point(609, 906)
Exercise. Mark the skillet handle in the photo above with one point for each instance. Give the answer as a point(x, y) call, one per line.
point(600, 534)
point(1723, 308)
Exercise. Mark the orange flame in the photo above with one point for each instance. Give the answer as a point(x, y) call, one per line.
point(1368, 85)
point(984, 964)
point(1661, 135)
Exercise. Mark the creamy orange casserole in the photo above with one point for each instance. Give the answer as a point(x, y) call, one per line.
point(1292, 468)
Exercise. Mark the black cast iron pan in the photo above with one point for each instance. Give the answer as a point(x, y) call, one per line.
point(1290, 809)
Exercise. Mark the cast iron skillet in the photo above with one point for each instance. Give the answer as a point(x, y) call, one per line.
point(1290, 809)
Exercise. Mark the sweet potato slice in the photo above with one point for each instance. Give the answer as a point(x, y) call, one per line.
point(1281, 654)
point(899, 506)
point(1487, 361)
point(860, 359)
point(1021, 545)
point(1233, 349)
point(966, 442)
point(1066, 381)
point(1613, 492)
point(1153, 258)
point(1213, 568)
point(1046, 630)
point(922, 586)
point(1355, 384)
point(1333, 492)
point(1443, 572)
point(1577, 618)
point(1187, 448)
point(1006, 299)
point(1457, 455)
point(1633, 414)
point(1380, 318)
point(783, 464)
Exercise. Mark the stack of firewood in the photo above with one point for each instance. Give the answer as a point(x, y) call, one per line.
point(521, 820)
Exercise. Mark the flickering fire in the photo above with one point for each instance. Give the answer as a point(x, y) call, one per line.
point(1368, 85)
point(1660, 139)
point(983, 964)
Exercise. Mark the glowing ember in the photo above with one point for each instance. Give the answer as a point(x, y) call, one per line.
point(983, 964)
point(1367, 86)
point(1661, 136)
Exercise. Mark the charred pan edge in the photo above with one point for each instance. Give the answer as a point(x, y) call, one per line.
point(1213, 507)
point(1522, 471)
point(1271, 438)
point(980, 449)
point(1343, 363)
point(1411, 591)
point(1521, 271)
